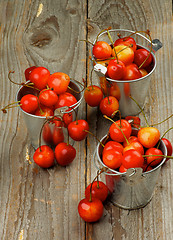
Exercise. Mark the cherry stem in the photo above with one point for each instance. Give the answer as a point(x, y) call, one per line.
point(140, 109)
point(162, 121)
point(163, 136)
point(98, 180)
point(106, 29)
point(30, 84)
point(129, 46)
point(10, 106)
point(158, 156)
point(113, 114)
point(95, 137)
point(110, 38)
point(118, 128)
point(87, 42)
point(79, 83)
point(104, 169)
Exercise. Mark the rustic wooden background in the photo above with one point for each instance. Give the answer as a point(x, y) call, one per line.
point(39, 204)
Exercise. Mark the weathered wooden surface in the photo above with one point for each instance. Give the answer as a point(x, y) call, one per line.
point(42, 204)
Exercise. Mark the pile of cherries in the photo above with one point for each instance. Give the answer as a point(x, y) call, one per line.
point(125, 60)
point(127, 145)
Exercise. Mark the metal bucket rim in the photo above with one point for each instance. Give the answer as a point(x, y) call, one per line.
point(74, 106)
point(116, 173)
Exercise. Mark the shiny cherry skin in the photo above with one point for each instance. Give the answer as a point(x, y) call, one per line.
point(90, 211)
point(122, 169)
point(44, 111)
point(168, 146)
point(28, 71)
point(154, 160)
point(99, 191)
point(44, 156)
point(59, 82)
point(132, 159)
point(134, 145)
point(57, 134)
point(127, 41)
point(113, 145)
point(47, 134)
point(125, 54)
point(64, 154)
point(65, 99)
point(143, 72)
point(102, 50)
point(140, 56)
point(109, 105)
point(115, 132)
point(132, 72)
point(112, 158)
point(39, 76)
point(76, 129)
point(48, 98)
point(116, 69)
point(67, 119)
point(148, 136)
point(136, 121)
point(29, 103)
point(130, 140)
point(93, 95)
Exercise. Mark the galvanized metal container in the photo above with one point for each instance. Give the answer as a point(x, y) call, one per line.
point(35, 123)
point(133, 189)
point(137, 88)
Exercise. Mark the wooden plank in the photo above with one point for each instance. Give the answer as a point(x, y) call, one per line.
point(151, 221)
point(37, 203)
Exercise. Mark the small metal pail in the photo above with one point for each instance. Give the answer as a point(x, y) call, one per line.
point(133, 189)
point(35, 123)
point(137, 88)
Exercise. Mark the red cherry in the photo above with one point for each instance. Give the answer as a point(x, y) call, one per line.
point(99, 191)
point(168, 146)
point(93, 95)
point(132, 159)
point(116, 70)
point(127, 41)
point(113, 145)
point(153, 160)
point(44, 111)
point(102, 50)
point(58, 135)
point(122, 169)
point(116, 133)
point(67, 118)
point(28, 71)
point(39, 76)
point(136, 121)
point(77, 129)
point(65, 99)
point(59, 82)
point(146, 167)
point(143, 72)
point(64, 154)
point(47, 134)
point(134, 145)
point(44, 156)
point(112, 158)
point(132, 72)
point(130, 140)
point(125, 54)
point(90, 211)
point(48, 97)
point(148, 136)
point(140, 56)
point(29, 103)
point(109, 105)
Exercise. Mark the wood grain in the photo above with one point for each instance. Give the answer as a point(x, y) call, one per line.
point(42, 204)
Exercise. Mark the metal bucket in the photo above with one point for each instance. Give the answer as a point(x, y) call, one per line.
point(138, 88)
point(133, 189)
point(35, 123)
